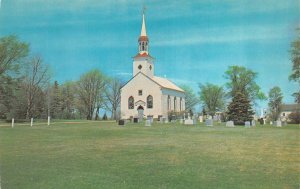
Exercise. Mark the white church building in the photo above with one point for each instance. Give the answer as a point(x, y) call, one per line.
point(146, 94)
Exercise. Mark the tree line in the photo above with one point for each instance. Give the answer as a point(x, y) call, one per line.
point(26, 90)
point(240, 93)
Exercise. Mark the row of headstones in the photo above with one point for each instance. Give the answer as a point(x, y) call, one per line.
point(189, 121)
point(248, 124)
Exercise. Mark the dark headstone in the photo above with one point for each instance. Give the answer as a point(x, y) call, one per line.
point(159, 117)
point(121, 122)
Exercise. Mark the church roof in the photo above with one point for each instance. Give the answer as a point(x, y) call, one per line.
point(142, 55)
point(165, 83)
point(290, 107)
point(162, 82)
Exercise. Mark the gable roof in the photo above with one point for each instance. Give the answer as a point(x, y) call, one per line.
point(165, 83)
point(290, 107)
point(162, 82)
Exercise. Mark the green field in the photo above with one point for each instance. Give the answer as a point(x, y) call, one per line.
point(105, 155)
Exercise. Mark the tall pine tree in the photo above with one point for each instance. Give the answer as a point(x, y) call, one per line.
point(240, 110)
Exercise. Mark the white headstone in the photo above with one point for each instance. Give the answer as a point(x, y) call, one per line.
point(277, 123)
point(247, 124)
point(188, 122)
point(166, 120)
point(148, 123)
point(200, 119)
point(253, 123)
point(31, 122)
point(12, 122)
point(229, 124)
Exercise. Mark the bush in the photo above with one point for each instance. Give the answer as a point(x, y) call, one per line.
point(294, 118)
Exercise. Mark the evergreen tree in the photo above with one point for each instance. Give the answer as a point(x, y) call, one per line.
point(240, 110)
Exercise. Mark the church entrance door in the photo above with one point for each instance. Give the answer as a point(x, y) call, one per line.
point(140, 110)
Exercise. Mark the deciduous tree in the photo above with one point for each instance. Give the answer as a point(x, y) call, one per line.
point(191, 100)
point(275, 100)
point(90, 88)
point(242, 80)
point(112, 96)
point(213, 97)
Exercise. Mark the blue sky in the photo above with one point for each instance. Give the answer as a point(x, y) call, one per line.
point(193, 41)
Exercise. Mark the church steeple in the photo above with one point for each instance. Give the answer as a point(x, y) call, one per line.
point(143, 62)
point(143, 39)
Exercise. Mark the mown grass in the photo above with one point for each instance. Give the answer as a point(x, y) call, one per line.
point(105, 155)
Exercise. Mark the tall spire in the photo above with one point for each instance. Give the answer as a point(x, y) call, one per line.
point(143, 39)
point(143, 31)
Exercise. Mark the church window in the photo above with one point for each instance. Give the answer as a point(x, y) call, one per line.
point(180, 104)
point(150, 102)
point(169, 102)
point(175, 101)
point(140, 67)
point(130, 102)
point(140, 92)
point(150, 67)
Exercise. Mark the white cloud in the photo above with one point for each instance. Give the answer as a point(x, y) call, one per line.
point(223, 35)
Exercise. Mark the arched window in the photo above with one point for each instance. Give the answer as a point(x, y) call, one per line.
point(150, 102)
point(180, 106)
point(130, 102)
point(175, 101)
point(143, 46)
point(169, 102)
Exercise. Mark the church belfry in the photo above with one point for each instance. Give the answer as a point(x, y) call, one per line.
point(143, 62)
point(143, 39)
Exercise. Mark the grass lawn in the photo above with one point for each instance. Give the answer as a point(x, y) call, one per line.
point(105, 155)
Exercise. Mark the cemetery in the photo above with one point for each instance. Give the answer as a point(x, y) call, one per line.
point(148, 154)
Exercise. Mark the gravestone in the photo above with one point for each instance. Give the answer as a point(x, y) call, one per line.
point(165, 120)
point(173, 118)
point(277, 123)
point(209, 122)
point(122, 122)
point(188, 122)
point(229, 124)
point(159, 117)
point(135, 120)
point(247, 124)
point(253, 123)
point(150, 118)
point(200, 119)
point(148, 123)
